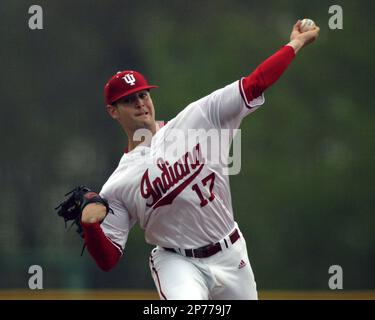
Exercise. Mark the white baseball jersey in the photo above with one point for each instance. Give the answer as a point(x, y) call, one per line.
point(176, 187)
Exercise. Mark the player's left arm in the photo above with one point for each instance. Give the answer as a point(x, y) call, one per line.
point(105, 235)
point(101, 248)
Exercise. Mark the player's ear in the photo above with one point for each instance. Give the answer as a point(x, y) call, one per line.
point(112, 111)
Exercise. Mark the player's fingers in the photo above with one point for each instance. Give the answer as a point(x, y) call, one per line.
point(315, 31)
point(315, 28)
point(311, 35)
point(297, 25)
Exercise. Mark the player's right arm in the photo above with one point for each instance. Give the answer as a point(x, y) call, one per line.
point(226, 107)
point(269, 71)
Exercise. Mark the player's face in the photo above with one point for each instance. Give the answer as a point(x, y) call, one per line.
point(134, 112)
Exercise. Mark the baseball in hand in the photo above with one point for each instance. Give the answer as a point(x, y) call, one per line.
point(306, 25)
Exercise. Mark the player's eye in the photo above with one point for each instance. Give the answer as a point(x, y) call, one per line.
point(143, 95)
point(128, 100)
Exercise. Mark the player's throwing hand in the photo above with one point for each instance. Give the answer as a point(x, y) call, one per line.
point(299, 39)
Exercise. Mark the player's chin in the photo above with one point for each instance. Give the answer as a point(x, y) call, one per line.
point(144, 121)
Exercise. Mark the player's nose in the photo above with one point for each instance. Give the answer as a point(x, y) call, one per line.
point(138, 102)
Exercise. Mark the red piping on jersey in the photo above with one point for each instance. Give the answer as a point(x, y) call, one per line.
point(267, 73)
point(105, 252)
point(157, 277)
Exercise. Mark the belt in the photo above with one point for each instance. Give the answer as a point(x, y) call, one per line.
point(209, 250)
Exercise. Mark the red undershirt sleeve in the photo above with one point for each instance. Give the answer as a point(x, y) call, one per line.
point(267, 73)
point(104, 251)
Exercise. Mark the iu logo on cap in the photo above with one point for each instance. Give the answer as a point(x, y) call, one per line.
point(129, 79)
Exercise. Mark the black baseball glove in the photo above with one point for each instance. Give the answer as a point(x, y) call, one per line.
point(71, 208)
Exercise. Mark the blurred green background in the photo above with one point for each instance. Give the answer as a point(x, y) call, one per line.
point(304, 197)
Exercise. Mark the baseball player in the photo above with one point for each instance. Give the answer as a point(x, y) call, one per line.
point(174, 187)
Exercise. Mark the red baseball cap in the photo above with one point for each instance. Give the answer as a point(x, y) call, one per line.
point(124, 83)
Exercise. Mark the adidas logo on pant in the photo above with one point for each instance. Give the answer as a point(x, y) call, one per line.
point(242, 264)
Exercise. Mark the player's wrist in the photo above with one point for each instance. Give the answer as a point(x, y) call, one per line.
point(93, 213)
point(296, 44)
